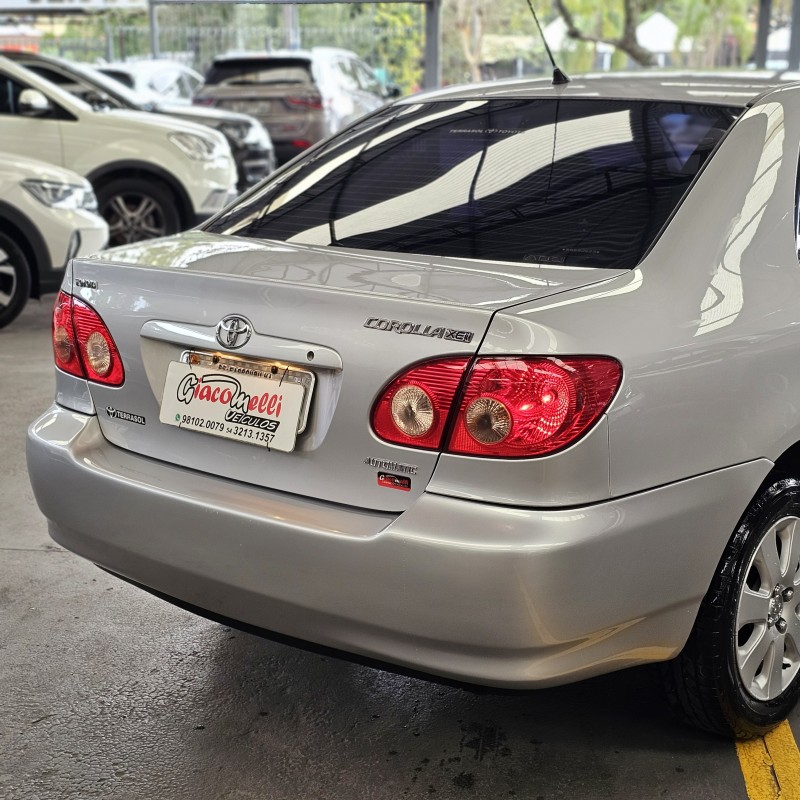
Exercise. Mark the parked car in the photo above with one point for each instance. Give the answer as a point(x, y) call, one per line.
point(173, 81)
point(247, 137)
point(48, 215)
point(520, 412)
point(153, 176)
point(301, 96)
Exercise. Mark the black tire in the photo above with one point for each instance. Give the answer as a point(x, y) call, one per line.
point(137, 209)
point(709, 685)
point(15, 280)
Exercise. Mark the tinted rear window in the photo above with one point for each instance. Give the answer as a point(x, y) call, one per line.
point(250, 71)
point(575, 182)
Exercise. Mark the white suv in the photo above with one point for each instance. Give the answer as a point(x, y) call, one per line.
point(47, 216)
point(152, 175)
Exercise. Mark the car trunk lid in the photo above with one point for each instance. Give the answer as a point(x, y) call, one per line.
point(343, 323)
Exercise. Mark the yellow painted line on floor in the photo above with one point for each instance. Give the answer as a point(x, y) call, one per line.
point(771, 765)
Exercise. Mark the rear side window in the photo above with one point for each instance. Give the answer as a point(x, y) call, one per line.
point(579, 182)
point(253, 71)
point(124, 78)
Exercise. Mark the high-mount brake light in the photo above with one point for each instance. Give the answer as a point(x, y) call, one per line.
point(413, 409)
point(82, 344)
point(522, 407)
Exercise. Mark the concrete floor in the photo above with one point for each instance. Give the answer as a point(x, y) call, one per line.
point(107, 692)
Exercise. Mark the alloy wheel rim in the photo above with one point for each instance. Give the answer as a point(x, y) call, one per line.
point(8, 279)
point(767, 642)
point(132, 217)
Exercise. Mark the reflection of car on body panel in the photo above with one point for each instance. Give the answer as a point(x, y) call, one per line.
point(48, 215)
point(152, 175)
point(521, 411)
point(249, 140)
point(301, 96)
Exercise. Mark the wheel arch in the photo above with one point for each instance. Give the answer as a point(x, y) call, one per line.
point(142, 169)
point(27, 236)
point(787, 465)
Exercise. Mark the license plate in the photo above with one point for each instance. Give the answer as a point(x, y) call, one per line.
point(250, 106)
point(259, 404)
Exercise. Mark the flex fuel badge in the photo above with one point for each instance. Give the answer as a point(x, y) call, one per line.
point(391, 480)
point(401, 482)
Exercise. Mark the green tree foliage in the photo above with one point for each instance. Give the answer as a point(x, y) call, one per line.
point(722, 31)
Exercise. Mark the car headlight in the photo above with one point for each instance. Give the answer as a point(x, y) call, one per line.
point(196, 147)
point(62, 195)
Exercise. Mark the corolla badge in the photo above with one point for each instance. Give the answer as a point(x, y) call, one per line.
point(234, 331)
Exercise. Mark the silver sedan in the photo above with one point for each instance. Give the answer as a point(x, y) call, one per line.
point(499, 384)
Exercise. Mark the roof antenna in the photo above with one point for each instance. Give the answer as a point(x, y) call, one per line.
point(559, 77)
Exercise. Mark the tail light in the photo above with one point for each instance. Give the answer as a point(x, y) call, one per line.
point(82, 344)
point(204, 101)
point(525, 407)
point(305, 101)
point(414, 408)
point(516, 407)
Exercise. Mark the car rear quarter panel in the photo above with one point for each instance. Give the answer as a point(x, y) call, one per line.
point(707, 328)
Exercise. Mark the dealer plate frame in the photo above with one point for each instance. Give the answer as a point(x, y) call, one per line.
point(270, 369)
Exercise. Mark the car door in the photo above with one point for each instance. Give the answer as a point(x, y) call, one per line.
point(29, 136)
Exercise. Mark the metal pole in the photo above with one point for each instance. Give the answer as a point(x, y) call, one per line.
point(794, 41)
point(152, 17)
point(291, 27)
point(109, 40)
point(433, 44)
point(762, 34)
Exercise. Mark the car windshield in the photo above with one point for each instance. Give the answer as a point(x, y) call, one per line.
point(247, 71)
point(581, 182)
point(113, 87)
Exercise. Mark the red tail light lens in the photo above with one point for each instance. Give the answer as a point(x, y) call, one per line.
point(65, 346)
point(516, 407)
point(82, 344)
point(414, 407)
point(204, 101)
point(526, 407)
point(307, 101)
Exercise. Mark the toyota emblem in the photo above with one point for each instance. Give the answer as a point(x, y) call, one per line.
point(234, 331)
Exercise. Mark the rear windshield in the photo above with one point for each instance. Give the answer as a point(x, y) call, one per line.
point(249, 71)
point(574, 182)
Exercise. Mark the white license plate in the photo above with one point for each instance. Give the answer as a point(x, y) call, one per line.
point(248, 408)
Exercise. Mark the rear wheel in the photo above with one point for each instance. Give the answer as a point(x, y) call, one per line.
point(15, 279)
point(137, 209)
point(739, 673)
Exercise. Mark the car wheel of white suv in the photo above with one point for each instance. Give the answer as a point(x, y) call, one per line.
point(137, 209)
point(740, 670)
point(15, 279)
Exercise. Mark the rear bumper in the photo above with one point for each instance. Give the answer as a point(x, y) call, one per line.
point(486, 594)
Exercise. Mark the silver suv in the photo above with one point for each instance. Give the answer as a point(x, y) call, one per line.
point(300, 96)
